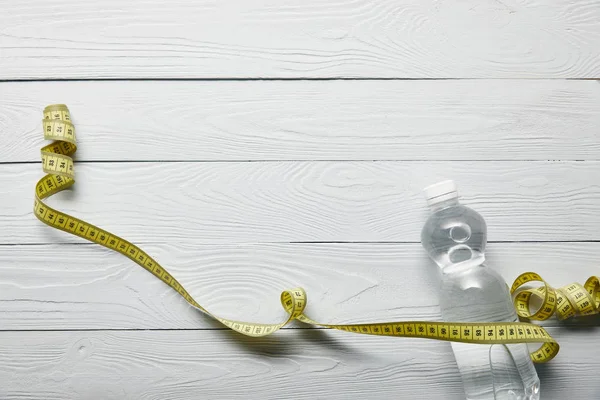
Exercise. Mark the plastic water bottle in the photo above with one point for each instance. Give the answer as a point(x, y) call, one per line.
point(455, 237)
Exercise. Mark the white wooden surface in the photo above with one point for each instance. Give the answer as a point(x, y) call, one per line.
point(308, 201)
point(371, 281)
point(297, 363)
point(244, 187)
point(313, 120)
point(296, 39)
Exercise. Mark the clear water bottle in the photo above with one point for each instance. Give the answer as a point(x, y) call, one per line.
point(455, 237)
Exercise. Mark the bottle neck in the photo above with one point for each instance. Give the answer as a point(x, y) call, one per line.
point(444, 204)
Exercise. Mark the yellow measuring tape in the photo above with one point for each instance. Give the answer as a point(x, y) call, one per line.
point(566, 302)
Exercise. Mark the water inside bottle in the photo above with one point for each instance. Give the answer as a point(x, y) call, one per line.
point(455, 237)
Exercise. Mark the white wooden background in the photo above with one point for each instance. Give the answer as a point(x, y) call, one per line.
point(256, 145)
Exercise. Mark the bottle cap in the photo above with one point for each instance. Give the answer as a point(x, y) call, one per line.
point(440, 191)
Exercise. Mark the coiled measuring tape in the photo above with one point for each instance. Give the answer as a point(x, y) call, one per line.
point(566, 302)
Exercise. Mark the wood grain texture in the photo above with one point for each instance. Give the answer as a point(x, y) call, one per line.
point(314, 120)
point(299, 364)
point(50, 287)
point(295, 39)
point(330, 161)
point(254, 202)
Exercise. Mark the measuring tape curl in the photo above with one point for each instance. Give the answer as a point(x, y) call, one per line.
point(571, 300)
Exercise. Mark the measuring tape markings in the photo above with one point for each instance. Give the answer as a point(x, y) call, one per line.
point(566, 302)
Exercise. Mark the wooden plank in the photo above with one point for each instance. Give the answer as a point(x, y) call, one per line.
point(305, 201)
point(254, 39)
point(316, 120)
point(299, 364)
point(88, 287)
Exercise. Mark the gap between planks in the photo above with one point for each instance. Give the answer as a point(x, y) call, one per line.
point(291, 160)
point(232, 79)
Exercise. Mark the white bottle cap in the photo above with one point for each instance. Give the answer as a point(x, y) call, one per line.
point(440, 191)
